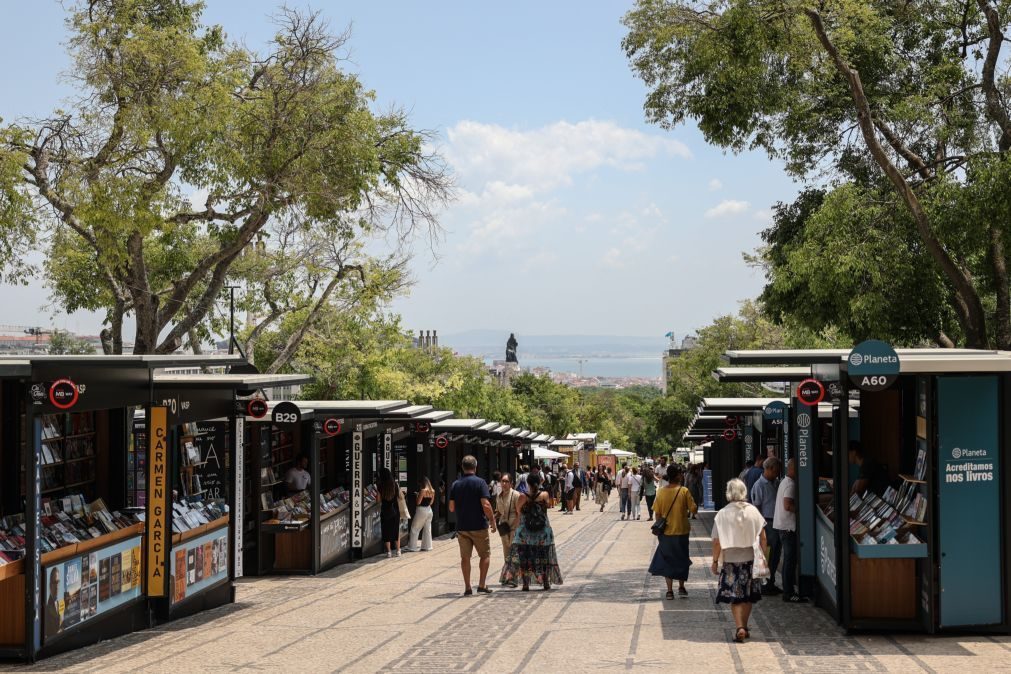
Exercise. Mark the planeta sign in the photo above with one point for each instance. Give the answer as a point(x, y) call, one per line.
point(872, 365)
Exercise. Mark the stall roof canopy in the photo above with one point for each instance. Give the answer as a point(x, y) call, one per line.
point(719, 405)
point(148, 361)
point(515, 432)
point(591, 437)
point(489, 427)
point(218, 381)
point(544, 453)
point(15, 368)
point(458, 424)
point(366, 409)
point(436, 415)
point(761, 374)
point(832, 356)
point(409, 412)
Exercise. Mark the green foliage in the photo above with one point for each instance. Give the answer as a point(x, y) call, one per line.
point(64, 343)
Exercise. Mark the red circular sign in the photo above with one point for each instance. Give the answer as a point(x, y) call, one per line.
point(731, 421)
point(729, 434)
point(442, 442)
point(810, 392)
point(517, 444)
point(257, 408)
point(63, 394)
point(332, 426)
point(422, 427)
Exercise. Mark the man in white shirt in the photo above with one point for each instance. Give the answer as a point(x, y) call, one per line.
point(297, 478)
point(785, 523)
point(622, 481)
point(569, 497)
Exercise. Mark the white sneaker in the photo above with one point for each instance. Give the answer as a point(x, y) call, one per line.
point(398, 553)
point(389, 555)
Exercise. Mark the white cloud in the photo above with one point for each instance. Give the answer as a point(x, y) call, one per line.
point(552, 155)
point(715, 185)
point(613, 259)
point(763, 215)
point(509, 177)
point(727, 207)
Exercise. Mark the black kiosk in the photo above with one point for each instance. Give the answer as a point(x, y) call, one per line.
point(449, 438)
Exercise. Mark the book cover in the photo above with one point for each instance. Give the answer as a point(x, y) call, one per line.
point(116, 574)
point(214, 556)
point(135, 559)
point(199, 562)
point(179, 581)
point(191, 566)
point(208, 560)
point(104, 591)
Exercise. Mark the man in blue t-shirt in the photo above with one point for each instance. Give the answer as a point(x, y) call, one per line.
point(470, 500)
point(752, 474)
point(763, 497)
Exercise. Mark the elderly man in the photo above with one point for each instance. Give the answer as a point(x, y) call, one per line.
point(763, 497)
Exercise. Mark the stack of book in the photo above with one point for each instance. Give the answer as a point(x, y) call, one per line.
point(186, 516)
point(51, 427)
point(294, 508)
point(191, 454)
point(874, 521)
point(371, 495)
point(333, 499)
point(51, 454)
point(65, 521)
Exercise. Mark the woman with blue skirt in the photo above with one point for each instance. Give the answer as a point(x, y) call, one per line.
point(674, 503)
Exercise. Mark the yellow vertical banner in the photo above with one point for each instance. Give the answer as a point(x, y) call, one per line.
point(157, 501)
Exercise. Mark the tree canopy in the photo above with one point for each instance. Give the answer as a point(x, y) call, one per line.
point(184, 150)
point(903, 106)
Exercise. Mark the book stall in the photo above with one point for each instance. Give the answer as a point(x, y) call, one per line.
point(420, 458)
point(449, 441)
point(75, 563)
point(917, 457)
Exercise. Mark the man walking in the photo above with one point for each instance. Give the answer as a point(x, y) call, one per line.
point(763, 497)
point(785, 524)
point(578, 480)
point(470, 500)
point(569, 492)
point(752, 474)
point(624, 503)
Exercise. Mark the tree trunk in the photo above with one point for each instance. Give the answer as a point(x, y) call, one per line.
point(967, 304)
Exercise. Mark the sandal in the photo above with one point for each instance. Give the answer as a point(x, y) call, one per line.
point(747, 633)
point(742, 634)
point(670, 594)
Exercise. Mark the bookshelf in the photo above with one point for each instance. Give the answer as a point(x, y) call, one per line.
point(68, 453)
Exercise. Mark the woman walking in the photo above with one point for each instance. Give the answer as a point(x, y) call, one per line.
point(532, 553)
point(634, 492)
point(389, 511)
point(604, 485)
point(422, 517)
point(737, 528)
point(507, 514)
point(649, 490)
point(674, 503)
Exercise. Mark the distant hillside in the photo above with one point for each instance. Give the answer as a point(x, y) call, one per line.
point(491, 343)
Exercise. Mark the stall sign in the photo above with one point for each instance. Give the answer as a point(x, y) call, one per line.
point(969, 500)
point(334, 537)
point(237, 514)
point(826, 558)
point(806, 442)
point(332, 426)
point(707, 489)
point(774, 414)
point(199, 563)
point(442, 442)
point(157, 501)
point(286, 414)
point(422, 427)
point(749, 441)
point(873, 365)
point(730, 421)
point(810, 392)
point(517, 444)
point(388, 451)
point(63, 394)
point(357, 488)
point(730, 434)
point(80, 588)
point(257, 408)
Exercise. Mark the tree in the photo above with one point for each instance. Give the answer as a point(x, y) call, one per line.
point(170, 109)
point(909, 91)
point(65, 343)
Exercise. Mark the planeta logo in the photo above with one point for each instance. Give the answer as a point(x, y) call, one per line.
point(804, 420)
point(956, 453)
point(856, 359)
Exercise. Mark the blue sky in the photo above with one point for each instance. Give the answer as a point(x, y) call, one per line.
point(574, 214)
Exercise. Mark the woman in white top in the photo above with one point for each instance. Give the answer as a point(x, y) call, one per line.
point(634, 488)
point(735, 530)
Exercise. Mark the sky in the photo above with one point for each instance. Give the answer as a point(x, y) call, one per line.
point(573, 215)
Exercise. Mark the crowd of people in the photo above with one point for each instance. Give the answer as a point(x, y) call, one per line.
point(750, 536)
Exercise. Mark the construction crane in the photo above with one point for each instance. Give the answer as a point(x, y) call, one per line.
point(35, 331)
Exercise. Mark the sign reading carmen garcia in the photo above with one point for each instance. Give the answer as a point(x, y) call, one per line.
point(873, 365)
point(286, 414)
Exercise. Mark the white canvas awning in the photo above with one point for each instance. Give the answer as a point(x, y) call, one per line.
point(544, 453)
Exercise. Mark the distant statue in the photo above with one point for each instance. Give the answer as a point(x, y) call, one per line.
point(511, 349)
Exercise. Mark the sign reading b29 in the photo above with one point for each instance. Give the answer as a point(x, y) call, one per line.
point(872, 365)
point(285, 414)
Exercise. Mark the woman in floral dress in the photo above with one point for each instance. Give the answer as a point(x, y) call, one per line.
point(532, 554)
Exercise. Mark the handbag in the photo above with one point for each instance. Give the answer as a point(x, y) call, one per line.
point(405, 514)
point(760, 568)
point(661, 522)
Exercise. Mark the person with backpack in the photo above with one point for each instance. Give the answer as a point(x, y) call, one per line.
point(521, 479)
point(532, 554)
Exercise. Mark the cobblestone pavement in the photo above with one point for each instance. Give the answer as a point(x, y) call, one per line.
point(408, 615)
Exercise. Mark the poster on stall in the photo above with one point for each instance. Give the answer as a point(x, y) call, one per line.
point(82, 587)
point(199, 563)
point(969, 500)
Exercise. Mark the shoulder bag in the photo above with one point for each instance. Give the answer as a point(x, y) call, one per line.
point(661, 522)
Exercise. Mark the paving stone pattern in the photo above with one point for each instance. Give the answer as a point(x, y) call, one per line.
point(408, 615)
